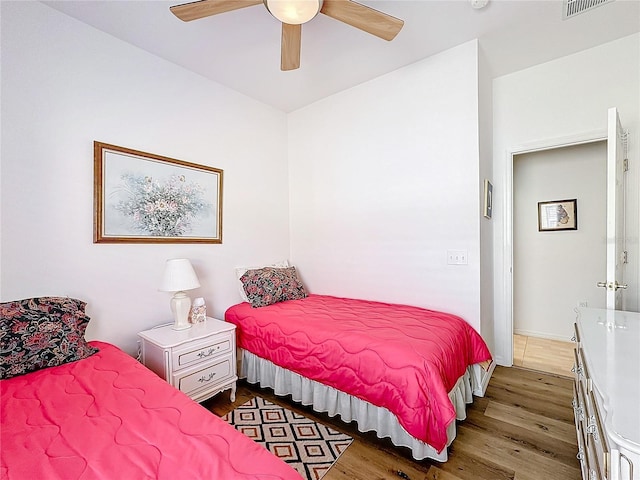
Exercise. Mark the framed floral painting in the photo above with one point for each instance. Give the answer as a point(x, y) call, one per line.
point(145, 198)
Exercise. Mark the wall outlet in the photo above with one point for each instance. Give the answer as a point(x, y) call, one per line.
point(582, 303)
point(457, 257)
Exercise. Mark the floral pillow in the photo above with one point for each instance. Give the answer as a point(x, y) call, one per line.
point(41, 332)
point(242, 270)
point(268, 285)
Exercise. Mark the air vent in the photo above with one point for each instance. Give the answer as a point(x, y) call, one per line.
point(571, 8)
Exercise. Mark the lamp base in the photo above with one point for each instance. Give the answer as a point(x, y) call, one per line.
point(180, 306)
point(181, 327)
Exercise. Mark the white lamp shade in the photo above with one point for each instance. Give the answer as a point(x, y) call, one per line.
point(293, 12)
point(178, 276)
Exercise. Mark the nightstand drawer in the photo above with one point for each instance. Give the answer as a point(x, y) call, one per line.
point(209, 376)
point(202, 351)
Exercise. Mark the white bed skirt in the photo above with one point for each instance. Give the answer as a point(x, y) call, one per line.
point(368, 417)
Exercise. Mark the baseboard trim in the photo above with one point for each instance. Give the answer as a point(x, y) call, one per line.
point(532, 333)
point(482, 378)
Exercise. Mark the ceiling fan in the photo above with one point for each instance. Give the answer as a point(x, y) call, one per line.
point(293, 13)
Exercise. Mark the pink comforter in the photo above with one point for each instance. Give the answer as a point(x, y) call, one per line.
point(108, 417)
point(405, 359)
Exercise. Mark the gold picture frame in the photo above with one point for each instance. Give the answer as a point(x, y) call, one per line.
point(141, 197)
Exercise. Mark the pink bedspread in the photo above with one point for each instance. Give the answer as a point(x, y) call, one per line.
point(108, 417)
point(405, 359)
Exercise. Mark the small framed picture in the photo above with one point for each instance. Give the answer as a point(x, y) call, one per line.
point(558, 215)
point(488, 198)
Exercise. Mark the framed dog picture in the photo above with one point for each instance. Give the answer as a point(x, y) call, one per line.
point(558, 215)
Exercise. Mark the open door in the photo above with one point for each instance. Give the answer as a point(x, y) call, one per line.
point(616, 167)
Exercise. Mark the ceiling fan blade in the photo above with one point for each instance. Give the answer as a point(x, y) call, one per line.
point(363, 17)
point(291, 40)
point(205, 8)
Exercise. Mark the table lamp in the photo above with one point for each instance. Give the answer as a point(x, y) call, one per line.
point(179, 276)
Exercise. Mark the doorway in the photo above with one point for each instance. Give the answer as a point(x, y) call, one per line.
point(555, 271)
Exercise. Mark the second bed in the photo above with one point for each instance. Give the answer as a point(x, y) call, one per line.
point(405, 372)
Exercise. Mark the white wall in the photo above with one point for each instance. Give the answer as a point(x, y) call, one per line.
point(554, 271)
point(485, 130)
point(384, 179)
point(64, 85)
point(567, 97)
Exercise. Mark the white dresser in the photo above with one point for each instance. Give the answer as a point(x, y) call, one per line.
point(200, 361)
point(607, 394)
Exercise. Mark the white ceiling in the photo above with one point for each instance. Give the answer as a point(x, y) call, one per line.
point(241, 49)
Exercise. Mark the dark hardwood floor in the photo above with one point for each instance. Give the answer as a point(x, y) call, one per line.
point(521, 430)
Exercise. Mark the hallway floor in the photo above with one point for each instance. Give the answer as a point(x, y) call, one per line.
point(542, 354)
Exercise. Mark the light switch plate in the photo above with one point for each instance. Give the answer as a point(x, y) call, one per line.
point(457, 257)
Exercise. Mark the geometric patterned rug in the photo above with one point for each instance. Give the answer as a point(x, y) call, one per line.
point(309, 447)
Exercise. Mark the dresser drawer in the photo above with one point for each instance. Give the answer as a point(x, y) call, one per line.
point(580, 369)
point(591, 437)
point(582, 451)
point(209, 375)
point(593, 467)
point(202, 351)
point(578, 405)
point(576, 334)
point(592, 448)
point(596, 438)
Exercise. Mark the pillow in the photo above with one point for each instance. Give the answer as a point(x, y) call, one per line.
point(268, 285)
point(41, 332)
point(241, 270)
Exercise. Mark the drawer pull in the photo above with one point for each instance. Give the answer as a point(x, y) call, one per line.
point(580, 455)
point(209, 353)
point(204, 379)
point(574, 339)
point(577, 369)
point(592, 429)
point(592, 474)
point(578, 410)
point(579, 413)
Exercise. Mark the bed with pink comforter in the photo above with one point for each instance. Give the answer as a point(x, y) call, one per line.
point(402, 358)
point(107, 417)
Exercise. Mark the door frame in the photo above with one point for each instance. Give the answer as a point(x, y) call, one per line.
point(504, 296)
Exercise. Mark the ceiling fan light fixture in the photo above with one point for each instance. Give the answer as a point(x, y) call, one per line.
point(293, 12)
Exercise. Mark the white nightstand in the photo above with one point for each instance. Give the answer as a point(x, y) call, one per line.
point(199, 361)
